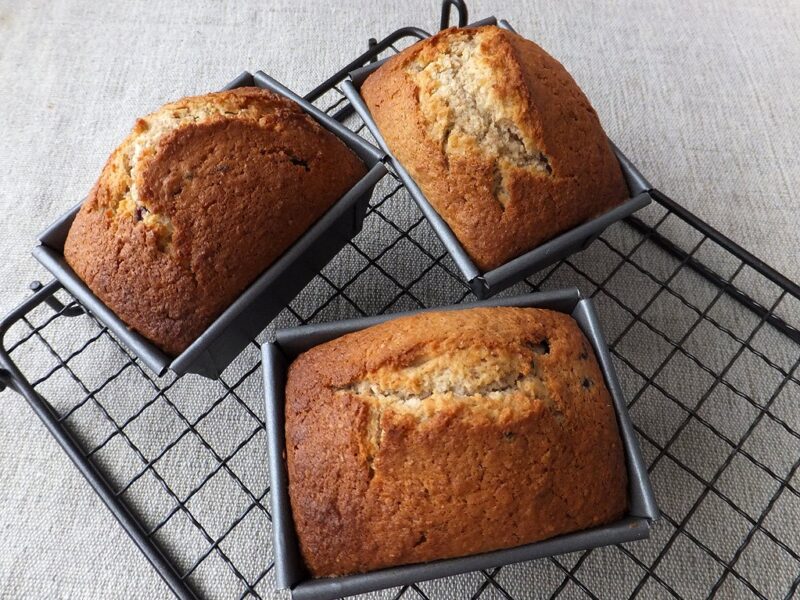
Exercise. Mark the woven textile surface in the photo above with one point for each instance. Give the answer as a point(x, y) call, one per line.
point(702, 96)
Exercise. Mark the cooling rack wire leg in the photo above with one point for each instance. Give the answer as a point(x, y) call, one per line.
point(55, 303)
point(461, 7)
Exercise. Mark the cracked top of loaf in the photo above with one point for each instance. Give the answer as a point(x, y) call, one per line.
point(499, 137)
point(444, 434)
point(202, 196)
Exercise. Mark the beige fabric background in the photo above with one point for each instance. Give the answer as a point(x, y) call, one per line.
point(702, 95)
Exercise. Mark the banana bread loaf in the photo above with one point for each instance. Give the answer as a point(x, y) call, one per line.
point(201, 197)
point(448, 433)
point(499, 138)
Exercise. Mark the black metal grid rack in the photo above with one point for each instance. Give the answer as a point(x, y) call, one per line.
point(705, 340)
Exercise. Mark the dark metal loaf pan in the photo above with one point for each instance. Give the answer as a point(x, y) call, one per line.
point(290, 571)
point(488, 283)
point(243, 320)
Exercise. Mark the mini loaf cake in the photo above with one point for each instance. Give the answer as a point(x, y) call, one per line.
point(201, 197)
point(448, 433)
point(499, 138)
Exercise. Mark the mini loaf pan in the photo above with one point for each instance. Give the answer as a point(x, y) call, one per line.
point(263, 299)
point(290, 570)
point(488, 283)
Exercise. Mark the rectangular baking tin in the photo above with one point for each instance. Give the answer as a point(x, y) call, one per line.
point(290, 571)
point(249, 314)
point(485, 284)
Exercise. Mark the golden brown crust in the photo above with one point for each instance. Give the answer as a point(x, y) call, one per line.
point(448, 433)
point(499, 137)
point(199, 199)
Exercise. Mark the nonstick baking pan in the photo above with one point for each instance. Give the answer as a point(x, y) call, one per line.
point(247, 316)
point(290, 570)
point(488, 283)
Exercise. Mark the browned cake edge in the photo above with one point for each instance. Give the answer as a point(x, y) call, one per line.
point(201, 197)
point(524, 446)
point(565, 174)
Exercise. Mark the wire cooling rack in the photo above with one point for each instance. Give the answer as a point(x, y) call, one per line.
point(704, 338)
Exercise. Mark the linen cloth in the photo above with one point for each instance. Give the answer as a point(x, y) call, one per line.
point(701, 95)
